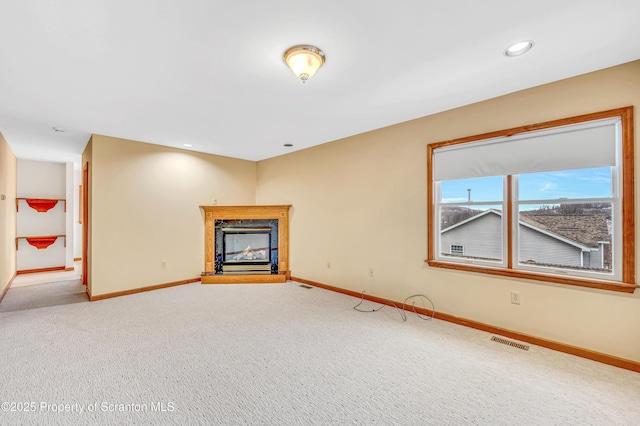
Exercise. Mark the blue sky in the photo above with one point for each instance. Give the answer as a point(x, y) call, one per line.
point(584, 183)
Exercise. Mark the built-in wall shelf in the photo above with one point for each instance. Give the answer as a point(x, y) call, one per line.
point(44, 216)
point(41, 241)
point(41, 205)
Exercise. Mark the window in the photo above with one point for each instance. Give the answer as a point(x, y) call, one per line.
point(552, 201)
point(457, 250)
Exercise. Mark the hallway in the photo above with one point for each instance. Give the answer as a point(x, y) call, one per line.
point(45, 289)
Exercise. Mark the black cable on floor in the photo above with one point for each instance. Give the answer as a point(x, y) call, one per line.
point(402, 312)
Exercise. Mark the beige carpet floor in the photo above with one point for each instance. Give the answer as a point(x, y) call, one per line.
point(44, 295)
point(285, 355)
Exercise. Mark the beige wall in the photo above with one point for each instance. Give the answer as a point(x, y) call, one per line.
point(360, 203)
point(145, 209)
point(8, 185)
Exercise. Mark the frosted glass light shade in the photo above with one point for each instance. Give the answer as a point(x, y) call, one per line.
point(304, 60)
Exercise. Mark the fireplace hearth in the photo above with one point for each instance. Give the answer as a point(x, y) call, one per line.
point(246, 244)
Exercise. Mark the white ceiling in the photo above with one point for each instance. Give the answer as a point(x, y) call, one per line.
point(210, 72)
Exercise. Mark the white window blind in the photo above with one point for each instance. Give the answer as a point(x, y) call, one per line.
point(579, 146)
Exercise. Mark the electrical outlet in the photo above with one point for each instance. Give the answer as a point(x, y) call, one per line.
point(214, 201)
point(328, 265)
point(515, 297)
point(371, 272)
point(163, 264)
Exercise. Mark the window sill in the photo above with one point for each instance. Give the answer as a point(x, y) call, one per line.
point(580, 282)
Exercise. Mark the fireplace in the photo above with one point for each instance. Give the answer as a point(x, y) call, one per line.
point(246, 244)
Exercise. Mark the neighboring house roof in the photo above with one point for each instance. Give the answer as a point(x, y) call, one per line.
point(585, 230)
point(479, 215)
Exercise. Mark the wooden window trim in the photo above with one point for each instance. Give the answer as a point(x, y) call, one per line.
point(628, 284)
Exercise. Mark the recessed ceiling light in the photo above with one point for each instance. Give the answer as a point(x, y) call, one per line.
point(187, 145)
point(518, 48)
point(288, 145)
point(58, 129)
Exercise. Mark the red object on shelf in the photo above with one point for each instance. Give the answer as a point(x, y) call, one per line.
point(41, 205)
point(41, 242)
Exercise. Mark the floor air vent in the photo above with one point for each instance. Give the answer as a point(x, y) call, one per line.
point(510, 343)
point(305, 286)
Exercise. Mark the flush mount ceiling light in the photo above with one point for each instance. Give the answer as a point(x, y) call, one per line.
point(304, 60)
point(518, 48)
point(187, 145)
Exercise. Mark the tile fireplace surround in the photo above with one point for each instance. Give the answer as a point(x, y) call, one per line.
point(213, 275)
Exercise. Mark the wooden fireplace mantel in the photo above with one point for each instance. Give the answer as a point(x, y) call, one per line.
point(213, 213)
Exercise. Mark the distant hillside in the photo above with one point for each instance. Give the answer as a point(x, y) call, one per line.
point(451, 215)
